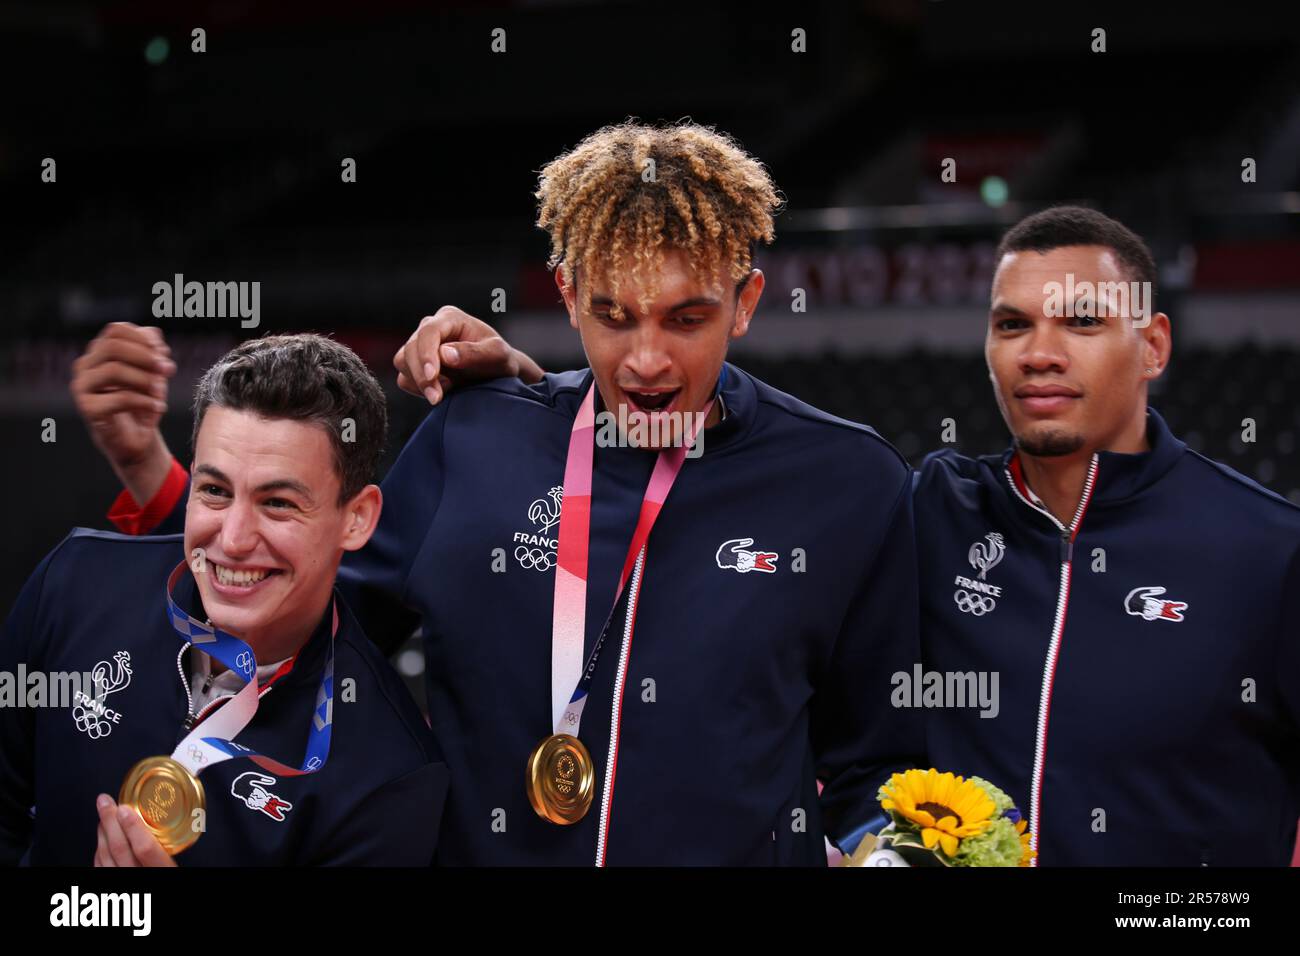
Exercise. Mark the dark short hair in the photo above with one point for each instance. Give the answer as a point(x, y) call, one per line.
point(307, 378)
point(1060, 226)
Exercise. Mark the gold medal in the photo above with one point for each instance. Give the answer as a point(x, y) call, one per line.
point(165, 794)
point(561, 779)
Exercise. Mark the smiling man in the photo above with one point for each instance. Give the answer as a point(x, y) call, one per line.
point(231, 632)
point(1132, 595)
point(272, 567)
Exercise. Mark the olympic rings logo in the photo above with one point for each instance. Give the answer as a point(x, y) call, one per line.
point(197, 755)
point(531, 558)
point(977, 604)
point(245, 662)
point(88, 723)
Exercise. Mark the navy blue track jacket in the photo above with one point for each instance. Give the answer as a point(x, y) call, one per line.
point(1149, 665)
point(742, 688)
point(98, 597)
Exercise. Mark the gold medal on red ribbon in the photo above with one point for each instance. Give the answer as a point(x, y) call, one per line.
point(165, 794)
point(561, 779)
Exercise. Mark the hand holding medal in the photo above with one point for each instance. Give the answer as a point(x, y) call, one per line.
point(124, 840)
point(165, 795)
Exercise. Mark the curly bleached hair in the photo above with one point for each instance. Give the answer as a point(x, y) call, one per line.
point(627, 194)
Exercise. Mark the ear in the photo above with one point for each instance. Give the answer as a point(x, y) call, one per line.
point(568, 292)
point(361, 517)
point(1157, 345)
point(747, 302)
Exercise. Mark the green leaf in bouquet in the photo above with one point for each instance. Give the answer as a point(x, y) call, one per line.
point(998, 845)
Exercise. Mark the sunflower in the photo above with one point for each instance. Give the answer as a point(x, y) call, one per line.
point(1027, 853)
point(945, 808)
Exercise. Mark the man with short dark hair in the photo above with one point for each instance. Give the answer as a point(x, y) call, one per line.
point(226, 648)
point(1131, 594)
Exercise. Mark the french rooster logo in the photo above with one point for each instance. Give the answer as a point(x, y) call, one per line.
point(985, 555)
point(120, 675)
point(545, 512)
point(105, 679)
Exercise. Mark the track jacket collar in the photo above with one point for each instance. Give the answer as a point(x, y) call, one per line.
point(1118, 476)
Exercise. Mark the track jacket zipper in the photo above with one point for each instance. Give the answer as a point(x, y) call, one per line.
point(1067, 536)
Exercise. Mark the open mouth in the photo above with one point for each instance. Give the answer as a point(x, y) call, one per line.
point(651, 401)
point(240, 579)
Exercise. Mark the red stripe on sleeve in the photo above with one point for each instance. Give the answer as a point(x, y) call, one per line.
point(130, 518)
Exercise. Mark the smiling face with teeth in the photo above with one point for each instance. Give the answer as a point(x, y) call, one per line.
point(664, 352)
point(264, 508)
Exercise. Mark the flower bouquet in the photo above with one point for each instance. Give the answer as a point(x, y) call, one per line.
point(938, 819)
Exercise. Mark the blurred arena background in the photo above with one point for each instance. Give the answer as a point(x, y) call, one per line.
point(225, 166)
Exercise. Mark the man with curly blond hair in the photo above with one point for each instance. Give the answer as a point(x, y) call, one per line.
point(660, 600)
